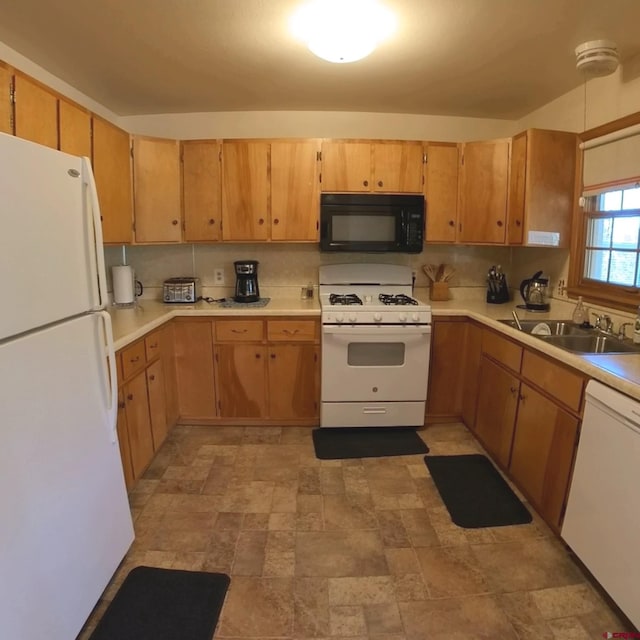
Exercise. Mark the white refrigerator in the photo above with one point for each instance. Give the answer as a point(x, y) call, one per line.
point(65, 523)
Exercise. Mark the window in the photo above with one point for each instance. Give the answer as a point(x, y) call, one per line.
point(612, 247)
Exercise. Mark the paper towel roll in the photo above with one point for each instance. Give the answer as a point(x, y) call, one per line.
point(123, 291)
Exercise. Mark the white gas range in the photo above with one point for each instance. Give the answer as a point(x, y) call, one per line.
point(376, 341)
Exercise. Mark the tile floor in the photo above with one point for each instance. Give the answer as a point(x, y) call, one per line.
point(359, 549)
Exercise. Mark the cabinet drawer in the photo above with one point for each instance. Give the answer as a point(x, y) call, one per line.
point(238, 330)
point(292, 330)
point(153, 345)
point(505, 352)
point(133, 359)
point(561, 383)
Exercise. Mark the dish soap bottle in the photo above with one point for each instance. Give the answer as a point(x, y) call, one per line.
point(636, 329)
point(579, 315)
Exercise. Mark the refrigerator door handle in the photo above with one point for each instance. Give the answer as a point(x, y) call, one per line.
point(111, 377)
point(97, 249)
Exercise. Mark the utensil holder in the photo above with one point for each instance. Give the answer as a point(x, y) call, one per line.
point(439, 291)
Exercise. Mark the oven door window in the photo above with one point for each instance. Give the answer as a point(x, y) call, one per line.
point(376, 354)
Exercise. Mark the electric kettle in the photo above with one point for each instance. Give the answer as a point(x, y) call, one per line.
point(534, 293)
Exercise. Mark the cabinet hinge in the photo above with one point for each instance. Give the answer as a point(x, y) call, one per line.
point(317, 225)
point(220, 155)
point(133, 226)
point(12, 93)
point(184, 225)
point(320, 178)
point(131, 150)
point(217, 358)
point(462, 159)
point(219, 406)
point(424, 158)
point(319, 156)
point(460, 226)
point(315, 357)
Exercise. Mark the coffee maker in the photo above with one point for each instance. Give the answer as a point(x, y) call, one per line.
point(247, 289)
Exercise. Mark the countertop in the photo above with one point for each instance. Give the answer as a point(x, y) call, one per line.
point(621, 372)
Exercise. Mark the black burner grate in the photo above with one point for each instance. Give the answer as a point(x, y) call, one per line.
point(344, 298)
point(399, 299)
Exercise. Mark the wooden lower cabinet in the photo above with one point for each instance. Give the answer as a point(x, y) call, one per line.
point(473, 352)
point(294, 381)
point(157, 404)
point(241, 376)
point(498, 391)
point(138, 423)
point(194, 369)
point(543, 448)
point(123, 441)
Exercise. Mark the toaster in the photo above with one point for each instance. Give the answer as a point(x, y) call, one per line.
point(180, 290)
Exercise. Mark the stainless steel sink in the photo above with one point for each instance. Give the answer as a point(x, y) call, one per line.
point(570, 337)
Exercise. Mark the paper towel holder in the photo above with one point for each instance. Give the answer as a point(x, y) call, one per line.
point(126, 289)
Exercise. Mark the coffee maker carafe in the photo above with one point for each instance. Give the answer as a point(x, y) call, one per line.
point(247, 289)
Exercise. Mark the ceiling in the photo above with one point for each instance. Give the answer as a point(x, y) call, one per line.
point(480, 58)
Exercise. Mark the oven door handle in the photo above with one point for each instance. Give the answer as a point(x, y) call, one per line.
point(399, 332)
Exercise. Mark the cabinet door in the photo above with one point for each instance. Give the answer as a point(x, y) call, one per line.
point(6, 104)
point(542, 454)
point(295, 190)
point(294, 381)
point(201, 190)
point(496, 410)
point(245, 190)
point(156, 189)
point(446, 370)
point(36, 112)
point(517, 186)
point(169, 369)
point(157, 403)
point(441, 192)
point(473, 352)
point(483, 193)
point(194, 369)
point(397, 167)
point(112, 171)
point(138, 423)
point(123, 442)
point(241, 374)
point(346, 166)
point(75, 129)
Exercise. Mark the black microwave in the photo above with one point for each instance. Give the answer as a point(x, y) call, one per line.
point(371, 222)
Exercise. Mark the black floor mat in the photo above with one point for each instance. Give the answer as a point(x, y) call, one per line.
point(366, 442)
point(475, 493)
point(164, 604)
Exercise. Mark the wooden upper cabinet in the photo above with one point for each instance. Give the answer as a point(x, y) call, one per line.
point(295, 190)
point(346, 166)
point(484, 177)
point(6, 103)
point(74, 124)
point(201, 190)
point(156, 190)
point(245, 190)
point(36, 111)
point(541, 188)
point(441, 191)
point(112, 171)
point(397, 167)
point(384, 166)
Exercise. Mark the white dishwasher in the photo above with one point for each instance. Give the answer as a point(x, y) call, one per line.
point(602, 521)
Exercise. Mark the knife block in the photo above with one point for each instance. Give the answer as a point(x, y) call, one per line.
point(439, 291)
point(498, 295)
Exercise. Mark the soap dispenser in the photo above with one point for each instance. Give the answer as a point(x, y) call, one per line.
point(636, 329)
point(580, 315)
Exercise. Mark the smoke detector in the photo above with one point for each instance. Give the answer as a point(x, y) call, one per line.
point(597, 57)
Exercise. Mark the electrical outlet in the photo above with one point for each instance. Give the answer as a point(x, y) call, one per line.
point(218, 277)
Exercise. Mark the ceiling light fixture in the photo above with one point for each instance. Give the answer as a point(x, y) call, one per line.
point(597, 57)
point(342, 30)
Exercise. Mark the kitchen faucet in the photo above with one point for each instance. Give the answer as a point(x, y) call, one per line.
point(608, 324)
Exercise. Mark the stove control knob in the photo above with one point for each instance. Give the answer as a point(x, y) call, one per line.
point(415, 317)
point(377, 317)
point(353, 318)
point(339, 318)
point(402, 317)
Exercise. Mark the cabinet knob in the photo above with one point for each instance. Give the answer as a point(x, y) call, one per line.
point(120, 405)
point(174, 222)
point(261, 221)
point(133, 360)
point(152, 377)
point(276, 221)
point(512, 389)
point(273, 356)
point(522, 397)
point(365, 183)
point(452, 223)
point(257, 356)
point(380, 183)
point(212, 221)
point(500, 223)
point(518, 223)
point(130, 396)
